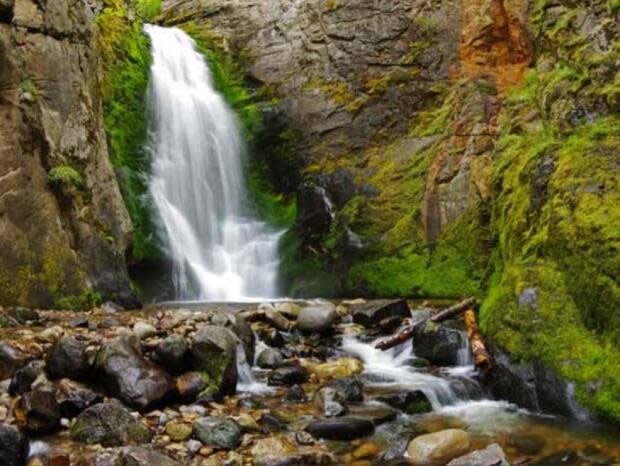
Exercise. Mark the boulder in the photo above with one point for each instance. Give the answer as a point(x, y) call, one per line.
point(288, 375)
point(13, 446)
point(493, 455)
point(67, 358)
point(371, 313)
point(22, 315)
point(376, 414)
point(439, 447)
point(331, 402)
point(131, 377)
point(144, 330)
point(144, 456)
point(277, 320)
point(317, 318)
point(74, 398)
point(178, 431)
point(11, 359)
point(351, 388)
point(190, 385)
point(38, 412)
point(24, 377)
point(172, 354)
point(343, 367)
point(214, 352)
point(269, 358)
point(109, 424)
point(408, 401)
point(213, 432)
point(437, 343)
point(241, 329)
point(340, 428)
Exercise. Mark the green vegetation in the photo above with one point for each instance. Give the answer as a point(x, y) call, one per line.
point(27, 85)
point(65, 175)
point(148, 9)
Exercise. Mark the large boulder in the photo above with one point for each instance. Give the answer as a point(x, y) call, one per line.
point(131, 377)
point(217, 433)
point(214, 353)
point(109, 424)
point(408, 401)
point(38, 412)
point(67, 359)
point(240, 328)
point(341, 428)
point(11, 359)
point(371, 313)
point(172, 354)
point(439, 447)
point(317, 318)
point(493, 455)
point(13, 446)
point(269, 358)
point(438, 344)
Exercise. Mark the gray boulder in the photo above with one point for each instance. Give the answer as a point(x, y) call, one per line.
point(269, 358)
point(11, 359)
point(67, 359)
point(319, 318)
point(38, 412)
point(217, 433)
point(373, 312)
point(341, 428)
point(172, 354)
point(437, 343)
point(214, 353)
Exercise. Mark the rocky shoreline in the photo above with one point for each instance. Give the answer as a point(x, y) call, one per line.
point(177, 386)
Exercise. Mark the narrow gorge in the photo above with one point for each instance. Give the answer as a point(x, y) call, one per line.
point(234, 232)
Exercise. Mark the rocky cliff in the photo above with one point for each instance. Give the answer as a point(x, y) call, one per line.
point(64, 228)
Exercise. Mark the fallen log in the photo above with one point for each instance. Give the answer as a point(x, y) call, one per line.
point(406, 333)
point(482, 358)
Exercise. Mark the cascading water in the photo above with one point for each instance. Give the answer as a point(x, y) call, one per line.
point(220, 250)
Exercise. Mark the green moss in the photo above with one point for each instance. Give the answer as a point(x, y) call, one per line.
point(86, 300)
point(148, 9)
point(614, 6)
point(65, 175)
point(27, 85)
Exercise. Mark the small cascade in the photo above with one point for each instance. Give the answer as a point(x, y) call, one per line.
point(247, 381)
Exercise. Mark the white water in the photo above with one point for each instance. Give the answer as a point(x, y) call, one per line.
point(220, 250)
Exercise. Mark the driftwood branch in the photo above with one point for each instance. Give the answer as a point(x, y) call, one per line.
point(406, 333)
point(482, 358)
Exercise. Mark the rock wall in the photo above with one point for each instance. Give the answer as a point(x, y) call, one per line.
point(64, 228)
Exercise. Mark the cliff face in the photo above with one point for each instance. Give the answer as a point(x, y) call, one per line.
point(64, 228)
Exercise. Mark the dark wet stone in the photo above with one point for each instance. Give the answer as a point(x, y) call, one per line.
point(350, 387)
point(144, 456)
point(595, 456)
point(214, 351)
point(271, 337)
point(373, 312)
point(331, 402)
point(131, 377)
point(78, 322)
point(13, 446)
point(390, 324)
point(493, 455)
point(75, 398)
point(318, 318)
point(375, 414)
point(22, 379)
point(271, 422)
point(11, 359)
point(288, 375)
point(190, 385)
point(109, 322)
point(172, 354)
point(341, 428)
point(410, 402)
point(109, 424)
point(437, 343)
point(67, 358)
point(217, 433)
point(269, 358)
point(241, 329)
point(22, 315)
point(38, 412)
point(296, 394)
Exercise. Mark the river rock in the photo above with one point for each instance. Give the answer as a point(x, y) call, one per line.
point(351, 388)
point(217, 433)
point(240, 328)
point(288, 375)
point(296, 394)
point(493, 455)
point(376, 414)
point(317, 318)
point(74, 398)
point(190, 385)
point(22, 315)
point(178, 431)
point(24, 377)
point(67, 358)
point(331, 402)
point(13, 446)
point(343, 367)
point(172, 354)
point(269, 358)
point(144, 456)
point(340, 428)
point(438, 447)
point(410, 402)
point(144, 330)
point(437, 343)
point(109, 424)
point(11, 359)
point(38, 412)
point(214, 352)
point(277, 320)
point(131, 377)
point(371, 313)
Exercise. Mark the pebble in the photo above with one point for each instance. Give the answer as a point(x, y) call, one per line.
point(193, 446)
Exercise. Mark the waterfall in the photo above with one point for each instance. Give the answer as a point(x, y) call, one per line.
point(220, 250)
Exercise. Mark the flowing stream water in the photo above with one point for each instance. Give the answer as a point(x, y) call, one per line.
point(220, 250)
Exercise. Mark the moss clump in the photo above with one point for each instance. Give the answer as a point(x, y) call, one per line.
point(148, 9)
point(65, 175)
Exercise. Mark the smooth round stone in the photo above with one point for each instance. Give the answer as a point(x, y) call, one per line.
point(439, 447)
point(341, 428)
point(217, 433)
point(317, 318)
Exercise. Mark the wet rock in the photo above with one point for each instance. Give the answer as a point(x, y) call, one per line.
point(172, 354)
point(78, 322)
point(351, 388)
point(437, 343)
point(67, 358)
point(22, 315)
point(11, 359)
point(214, 352)
point(102, 458)
point(129, 376)
point(375, 414)
point(319, 318)
point(247, 423)
point(493, 455)
point(288, 375)
point(276, 451)
point(74, 398)
point(190, 385)
point(38, 412)
point(341, 428)
point(527, 444)
point(217, 433)
point(144, 330)
point(110, 307)
point(178, 431)
point(24, 377)
point(144, 456)
point(373, 312)
point(290, 310)
point(566, 457)
point(410, 402)
point(277, 320)
point(109, 424)
point(271, 336)
point(438, 447)
point(241, 329)
point(331, 402)
point(296, 394)
point(13, 446)
point(343, 367)
point(51, 334)
point(269, 358)
point(109, 322)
